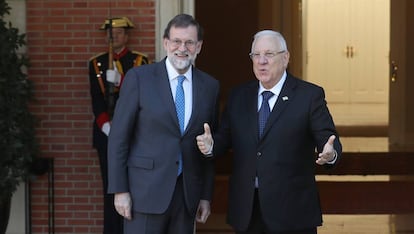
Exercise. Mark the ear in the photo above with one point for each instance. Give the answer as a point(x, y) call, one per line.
point(165, 43)
point(198, 46)
point(286, 58)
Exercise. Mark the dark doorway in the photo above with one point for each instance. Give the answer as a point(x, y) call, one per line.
point(229, 27)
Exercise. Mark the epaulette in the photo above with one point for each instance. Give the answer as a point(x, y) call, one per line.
point(97, 55)
point(137, 52)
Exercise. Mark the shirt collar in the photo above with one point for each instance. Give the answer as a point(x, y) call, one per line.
point(275, 89)
point(172, 73)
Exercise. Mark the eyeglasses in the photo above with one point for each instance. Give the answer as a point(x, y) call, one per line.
point(188, 44)
point(267, 55)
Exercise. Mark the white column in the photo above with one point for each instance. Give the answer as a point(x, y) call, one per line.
point(165, 11)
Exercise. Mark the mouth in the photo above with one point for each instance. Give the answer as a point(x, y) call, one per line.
point(181, 55)
point(262, 72)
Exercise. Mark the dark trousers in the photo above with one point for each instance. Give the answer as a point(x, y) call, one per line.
point(257, 225)
point(175, 220)
point(113, 222)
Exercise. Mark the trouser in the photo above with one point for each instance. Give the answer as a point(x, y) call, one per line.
point(257, 225)
point(175, 220)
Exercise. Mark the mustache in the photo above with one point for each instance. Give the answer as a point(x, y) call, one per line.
point(181, 53)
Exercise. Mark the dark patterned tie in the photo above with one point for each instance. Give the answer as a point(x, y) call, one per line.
point(264, 111)
point(180, 108)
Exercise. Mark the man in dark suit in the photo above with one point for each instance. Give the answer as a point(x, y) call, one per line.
point(104, 88)
point(274, 124)
point(161, 182)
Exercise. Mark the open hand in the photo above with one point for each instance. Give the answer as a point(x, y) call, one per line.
point(328, 153)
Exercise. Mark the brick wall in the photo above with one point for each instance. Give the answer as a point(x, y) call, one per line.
point(62, 35)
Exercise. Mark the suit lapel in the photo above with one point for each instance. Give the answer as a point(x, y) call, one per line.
point(198, 95)
point(163, 83)
point(166, 95)
point(250, 99)
point(286, 95)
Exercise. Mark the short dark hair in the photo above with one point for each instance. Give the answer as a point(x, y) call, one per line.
point(183, 21)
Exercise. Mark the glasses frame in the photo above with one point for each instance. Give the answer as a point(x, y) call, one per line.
point(189, 44)
point(267, 55)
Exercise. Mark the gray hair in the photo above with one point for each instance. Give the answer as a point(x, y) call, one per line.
point(271, 33)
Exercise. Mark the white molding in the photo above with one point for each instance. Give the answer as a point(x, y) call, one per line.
point(165, 11)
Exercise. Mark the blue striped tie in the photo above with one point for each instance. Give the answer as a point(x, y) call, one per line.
point(264, 111)
point(180, 108)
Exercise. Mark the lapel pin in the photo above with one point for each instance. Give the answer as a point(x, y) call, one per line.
point(285, 98)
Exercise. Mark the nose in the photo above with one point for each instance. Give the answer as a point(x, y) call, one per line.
point(182, 47)
point(262, 59)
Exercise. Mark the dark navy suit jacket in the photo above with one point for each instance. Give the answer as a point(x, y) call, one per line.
point(145, 140)
point(283, 159)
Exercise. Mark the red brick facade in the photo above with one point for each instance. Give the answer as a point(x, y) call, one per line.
point(61, 37)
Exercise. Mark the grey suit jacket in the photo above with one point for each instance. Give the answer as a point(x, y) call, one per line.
point(145, 140)
point(283, 159)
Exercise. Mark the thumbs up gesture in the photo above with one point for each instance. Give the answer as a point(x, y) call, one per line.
point(205, 141)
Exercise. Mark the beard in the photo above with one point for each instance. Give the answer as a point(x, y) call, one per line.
point(181, 64)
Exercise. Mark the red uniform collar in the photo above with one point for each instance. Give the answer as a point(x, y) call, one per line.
point(121, 54)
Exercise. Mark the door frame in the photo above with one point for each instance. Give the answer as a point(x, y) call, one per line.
point(400, 127)
point(165, 11)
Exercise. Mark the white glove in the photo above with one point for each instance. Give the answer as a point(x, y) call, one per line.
point(106, 127)
point(113, 76)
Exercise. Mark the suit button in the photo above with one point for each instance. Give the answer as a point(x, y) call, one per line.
point(176, 162)
point(259, 154)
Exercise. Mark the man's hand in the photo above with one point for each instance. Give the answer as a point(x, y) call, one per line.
point(328, 154)
point(203, 211)
point(123, 204)
point(205, 141)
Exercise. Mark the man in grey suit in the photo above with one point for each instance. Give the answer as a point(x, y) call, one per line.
point(160, 181)
point(274, 124)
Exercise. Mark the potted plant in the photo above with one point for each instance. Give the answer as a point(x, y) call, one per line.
point(18, 143)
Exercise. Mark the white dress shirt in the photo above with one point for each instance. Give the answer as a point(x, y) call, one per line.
point(275, 90)
point(187, 85)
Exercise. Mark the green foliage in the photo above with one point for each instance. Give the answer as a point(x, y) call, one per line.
point(18, 144)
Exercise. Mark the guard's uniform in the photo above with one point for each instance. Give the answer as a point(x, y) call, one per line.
point(99, 89)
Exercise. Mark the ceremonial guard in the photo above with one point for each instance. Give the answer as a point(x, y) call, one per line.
point(106, 73)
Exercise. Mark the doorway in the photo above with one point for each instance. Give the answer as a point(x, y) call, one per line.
point(346, 51)
point(229, 27)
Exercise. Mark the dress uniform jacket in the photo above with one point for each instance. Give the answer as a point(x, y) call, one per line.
point(99, 87)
